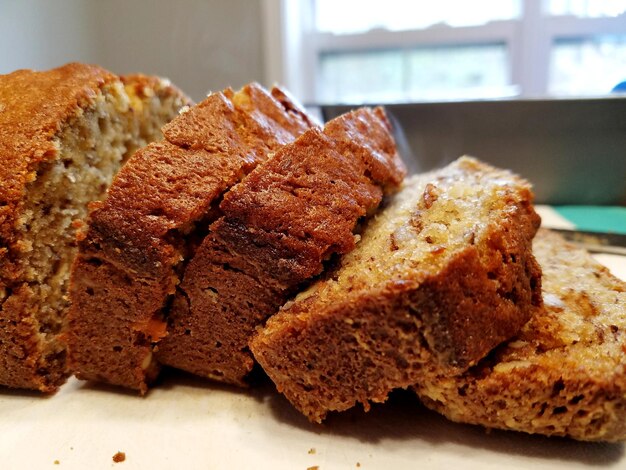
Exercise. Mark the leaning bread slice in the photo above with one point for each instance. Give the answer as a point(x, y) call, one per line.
point(155, 214)
point(279, 225)
point(443, 274)
point(63, 135)
point(154, 102)
point(565, 373)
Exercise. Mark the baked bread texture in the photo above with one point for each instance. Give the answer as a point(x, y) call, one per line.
point(63, 135)
point(442, 275)
point(277, 229)
point(565, 373)
point(154, 102)
point(156, 213)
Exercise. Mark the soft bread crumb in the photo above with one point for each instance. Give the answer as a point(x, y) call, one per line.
point(565, 372)
point(76, 150)
point(443, 274)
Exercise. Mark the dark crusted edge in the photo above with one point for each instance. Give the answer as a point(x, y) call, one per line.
point(482, 297)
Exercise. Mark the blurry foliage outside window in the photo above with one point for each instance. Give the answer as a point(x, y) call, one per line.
point(582, 64)
point(587, 65)
point(439, 72)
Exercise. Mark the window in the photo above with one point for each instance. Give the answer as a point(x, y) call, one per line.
point(357, 16)
point(401, 50)
point(419, 73)
point(590, 65)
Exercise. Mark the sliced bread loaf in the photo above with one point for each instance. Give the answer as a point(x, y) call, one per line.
point(565, 373)
point(63, 135)
point(278, 227)
point(441, 275)
point(156, 212)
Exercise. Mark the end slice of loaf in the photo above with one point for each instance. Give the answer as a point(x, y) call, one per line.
point(63, 135)
point(278, 227)
point(443, 274)
point(565, 373)
point(156, 212)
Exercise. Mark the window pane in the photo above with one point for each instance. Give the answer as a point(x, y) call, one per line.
point(586, 8)
point(460, 72)
point(353, 16)
point(422, 73)
point(347, 77)
point(587, 66)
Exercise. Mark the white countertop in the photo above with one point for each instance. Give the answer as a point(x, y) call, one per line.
point(190, 423)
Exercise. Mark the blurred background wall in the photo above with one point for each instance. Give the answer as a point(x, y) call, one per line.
point(201, 45)
point(44, 34)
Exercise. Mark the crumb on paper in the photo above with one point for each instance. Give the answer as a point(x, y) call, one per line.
point(57, 462)
point(358, 464)
point(314, 467)
point(119, 457)
point(312, 450)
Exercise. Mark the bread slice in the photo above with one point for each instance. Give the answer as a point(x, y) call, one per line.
point(155, 102)
point(278, 227)
point(441, 275)
point(156, 212)
point(63, 135)
point(565, 373)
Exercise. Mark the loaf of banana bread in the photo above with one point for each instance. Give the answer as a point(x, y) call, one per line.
point(156, 213)
point(565, 373)
point(442, 275)
point(63, 135)
point(278, 227)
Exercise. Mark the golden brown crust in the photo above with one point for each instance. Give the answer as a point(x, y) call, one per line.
point(565, 373)
point(325, 177)
point(278, 227)
point(144, 86)
point(403, 299)
point(157, 207)
point(46, 117)
point(377, 152)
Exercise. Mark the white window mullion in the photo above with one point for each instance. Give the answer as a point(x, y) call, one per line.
point(495, 32)
point(571, 26)
point(309, 70)
point(285, 51)
point(535, 46)
point(516, 57)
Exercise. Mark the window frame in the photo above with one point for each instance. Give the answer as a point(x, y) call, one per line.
point(528, 39)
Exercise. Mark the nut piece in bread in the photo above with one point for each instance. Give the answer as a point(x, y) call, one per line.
point(565, 373)
point(442, 275)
